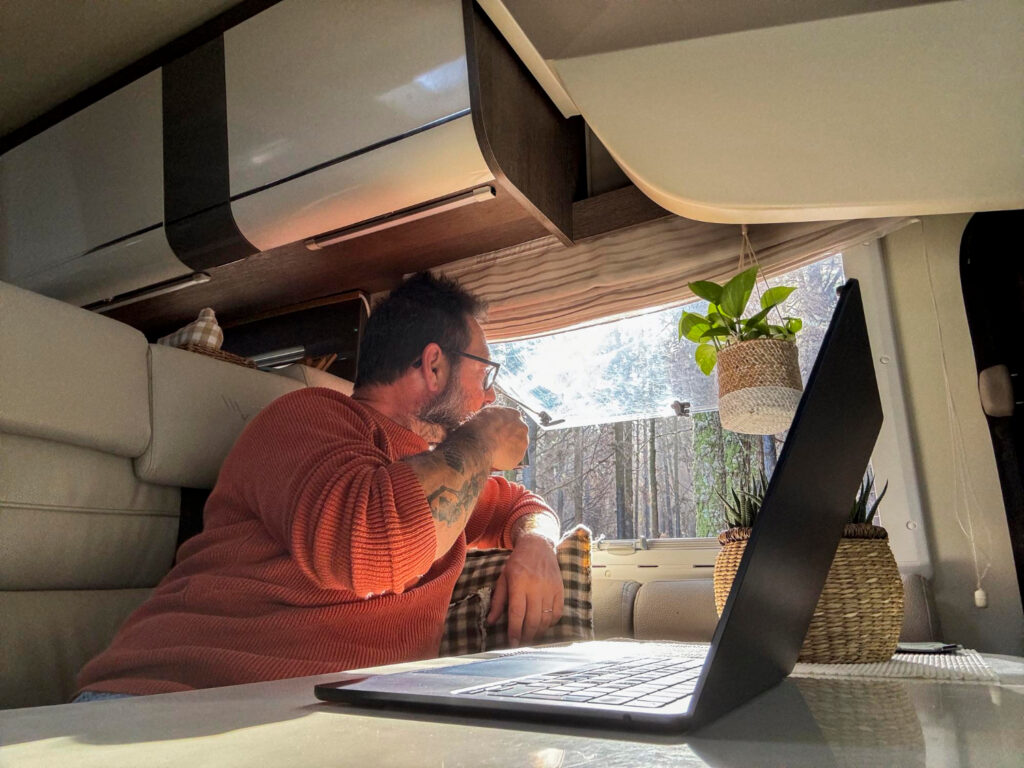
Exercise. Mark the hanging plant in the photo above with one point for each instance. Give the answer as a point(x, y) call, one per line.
point(759, 384)
point(724, 324)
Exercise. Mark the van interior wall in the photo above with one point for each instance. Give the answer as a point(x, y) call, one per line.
point(934, 244)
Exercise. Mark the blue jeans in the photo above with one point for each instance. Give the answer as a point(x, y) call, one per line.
point(99, 696)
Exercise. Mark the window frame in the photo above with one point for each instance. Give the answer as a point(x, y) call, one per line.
point(893, 460)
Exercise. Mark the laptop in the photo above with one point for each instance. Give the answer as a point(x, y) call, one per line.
point(656, 686)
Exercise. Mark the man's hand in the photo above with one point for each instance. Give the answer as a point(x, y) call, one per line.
point(454, 473)
point(504, 433)
point(531, 586)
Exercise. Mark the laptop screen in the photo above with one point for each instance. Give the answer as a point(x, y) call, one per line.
point(795, 536)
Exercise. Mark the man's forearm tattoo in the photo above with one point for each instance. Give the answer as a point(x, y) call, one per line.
point(452, 505)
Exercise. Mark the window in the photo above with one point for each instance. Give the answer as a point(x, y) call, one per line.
point(621, 461)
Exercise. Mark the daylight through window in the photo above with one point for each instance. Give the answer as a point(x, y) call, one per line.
point(622, 462)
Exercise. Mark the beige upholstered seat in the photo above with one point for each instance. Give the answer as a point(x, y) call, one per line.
point(99, 431)
point(684, 610)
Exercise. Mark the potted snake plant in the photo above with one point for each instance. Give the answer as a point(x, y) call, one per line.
point(859, 615)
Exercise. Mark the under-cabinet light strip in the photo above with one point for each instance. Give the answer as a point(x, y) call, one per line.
point(478, 195)
point(196, 278)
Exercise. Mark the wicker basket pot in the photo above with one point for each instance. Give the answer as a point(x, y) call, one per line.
point(759, 386)
point(860, 612)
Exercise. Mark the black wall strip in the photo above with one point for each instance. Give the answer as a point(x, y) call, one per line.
point(197, 192)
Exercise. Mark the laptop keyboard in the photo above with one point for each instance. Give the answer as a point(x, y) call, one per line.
point(639, 682)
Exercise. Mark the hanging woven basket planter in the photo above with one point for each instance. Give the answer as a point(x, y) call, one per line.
point(860, 612)
point(759, 386)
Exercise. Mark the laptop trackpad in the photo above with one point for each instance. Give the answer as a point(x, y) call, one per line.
point(518, 665)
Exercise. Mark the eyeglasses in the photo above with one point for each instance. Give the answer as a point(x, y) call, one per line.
point(492, 369)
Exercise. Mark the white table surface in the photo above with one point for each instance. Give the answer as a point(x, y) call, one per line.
point(855, 722)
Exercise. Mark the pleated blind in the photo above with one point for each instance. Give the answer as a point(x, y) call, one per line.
point(541, 287)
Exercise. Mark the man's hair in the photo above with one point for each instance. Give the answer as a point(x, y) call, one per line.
point(425, 308)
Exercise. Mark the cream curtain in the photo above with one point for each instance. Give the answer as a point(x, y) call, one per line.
point(542, 286)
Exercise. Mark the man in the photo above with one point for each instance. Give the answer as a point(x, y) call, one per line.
point(334, 535)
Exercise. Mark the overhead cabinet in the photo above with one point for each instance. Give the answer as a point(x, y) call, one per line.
point(307, 125)
point(83, 201)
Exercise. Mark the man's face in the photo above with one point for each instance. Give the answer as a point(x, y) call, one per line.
point(464, 393)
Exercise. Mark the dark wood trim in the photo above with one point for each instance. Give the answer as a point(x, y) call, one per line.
point(534, 153)
point(329, 328)
point(336, 298)
point(290, 275)
point(613, 210)
point(180, 46)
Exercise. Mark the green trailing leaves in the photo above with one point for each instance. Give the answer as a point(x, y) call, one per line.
point(706, 356)
point(757, 319)
point(775, 296)
point(724, 324)
point(736, 292)
point(707, 290)
point(720, 320)
point(692, 326)
point(716, 332)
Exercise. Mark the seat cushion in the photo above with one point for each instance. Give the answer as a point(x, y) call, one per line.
point(72, 376)
point(613, 607)
point(682, 609)
point(48, 636)
point(75, 518)
point(200, 407)
point(314, 377)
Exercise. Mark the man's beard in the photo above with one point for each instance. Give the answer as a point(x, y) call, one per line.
point(448, 409)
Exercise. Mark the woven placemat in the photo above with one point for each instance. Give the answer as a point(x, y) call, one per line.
point(964, 665)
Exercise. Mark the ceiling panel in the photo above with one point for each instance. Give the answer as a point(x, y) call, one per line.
point(51, 50)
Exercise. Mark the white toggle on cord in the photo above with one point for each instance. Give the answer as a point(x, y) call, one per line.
point(963, 488)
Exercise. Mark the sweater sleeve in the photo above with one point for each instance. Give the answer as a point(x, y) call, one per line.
point(500, 505)
point(316, 472)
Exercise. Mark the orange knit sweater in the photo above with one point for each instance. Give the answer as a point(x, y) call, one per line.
point(317, 555)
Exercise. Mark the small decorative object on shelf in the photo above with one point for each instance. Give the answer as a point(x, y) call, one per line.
point(759, 383)
point(204, 336)
point(204, 331)
point(860, 612)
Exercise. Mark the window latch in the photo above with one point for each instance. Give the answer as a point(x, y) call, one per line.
point(623, 546)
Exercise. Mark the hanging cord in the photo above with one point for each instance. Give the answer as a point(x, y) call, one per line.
point(963, 488)
point(747, 251)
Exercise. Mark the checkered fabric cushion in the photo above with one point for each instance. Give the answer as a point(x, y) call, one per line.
point(466, 629)
point(204, 331)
